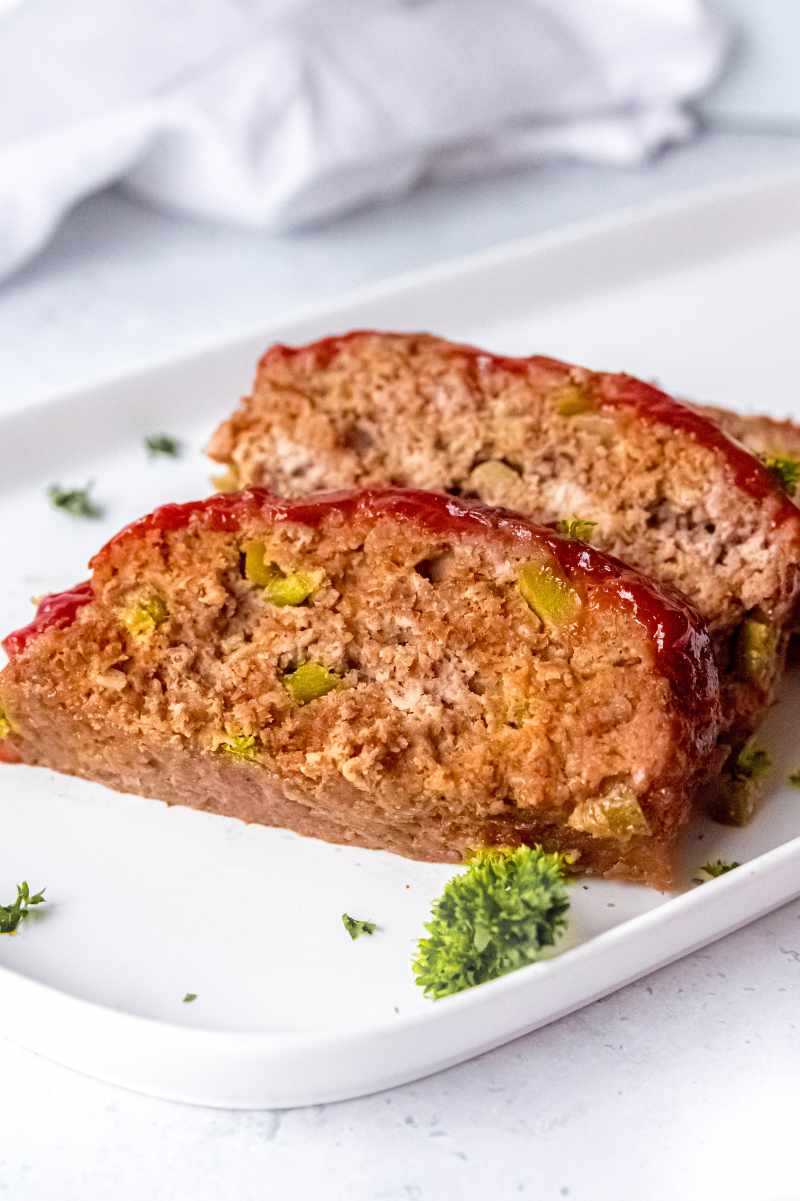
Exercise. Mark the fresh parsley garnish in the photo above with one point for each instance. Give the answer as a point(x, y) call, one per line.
point(189, 997)
point(714, 869)
point(75, 501)
point(785, 469)
point(493, 918)
point(356, 926)
point(576, 528)
point(162, 444)
point(12, 915)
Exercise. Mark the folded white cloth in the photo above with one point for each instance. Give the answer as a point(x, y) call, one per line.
point(276, 113)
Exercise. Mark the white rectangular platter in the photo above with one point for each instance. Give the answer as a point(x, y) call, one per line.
point(148, 903)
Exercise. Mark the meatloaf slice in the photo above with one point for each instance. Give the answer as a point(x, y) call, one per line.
point(666, 489)
point(389, 668)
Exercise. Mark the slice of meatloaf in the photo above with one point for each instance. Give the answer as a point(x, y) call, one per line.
point(666, 489)
point(389, 668)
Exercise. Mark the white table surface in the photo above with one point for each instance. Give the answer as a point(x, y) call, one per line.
point(682, 1085)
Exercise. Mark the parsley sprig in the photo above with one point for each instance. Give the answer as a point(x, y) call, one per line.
point(12, 915)
point(496, 917)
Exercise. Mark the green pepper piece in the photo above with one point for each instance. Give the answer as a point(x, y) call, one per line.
point(740, 786)
point(292, 589)
point(142, 617)
point(572, 400)
point(618, 814)
point(755, 650)
point(309, 682)
point(548, 593)
point(280, 588)
point(244, 747)
point(256, 570)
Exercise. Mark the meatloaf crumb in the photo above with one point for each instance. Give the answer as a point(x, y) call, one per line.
point(391, 669)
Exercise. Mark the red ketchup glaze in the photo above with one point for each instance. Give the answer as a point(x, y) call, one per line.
point(54, 612)
point(749, 473)
point(608, 390)
point(681, 643)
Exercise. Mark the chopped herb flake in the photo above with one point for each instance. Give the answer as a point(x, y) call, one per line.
point(12, 915)
point(495, 917)
point(714, 869)
point(794, 778)
point(75, 501)
point(576, 528)
point(190, 996)
point(785, 469)
point(162, 444)
point(356, 926)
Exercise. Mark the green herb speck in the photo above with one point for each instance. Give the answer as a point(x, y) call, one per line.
point(75, 501)
point(712, 870)
point(576, 528)
point(356, 926)
point(785, 469)
point(162, 444)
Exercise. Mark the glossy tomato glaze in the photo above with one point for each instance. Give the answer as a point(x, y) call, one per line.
point(54, 612)
point(608, 390)
point(681, 644)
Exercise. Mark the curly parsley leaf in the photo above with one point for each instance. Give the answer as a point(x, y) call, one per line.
point(12, 915)
point(495, 917)
point(75, 501)
point(162, 444)
point(356, 926)
point(713, 869)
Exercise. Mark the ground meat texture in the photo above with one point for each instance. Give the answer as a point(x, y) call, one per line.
point(668, 491)
point(393, 669)
point(763, 435)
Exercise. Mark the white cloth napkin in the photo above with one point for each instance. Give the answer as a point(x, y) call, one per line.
point(276, 113)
